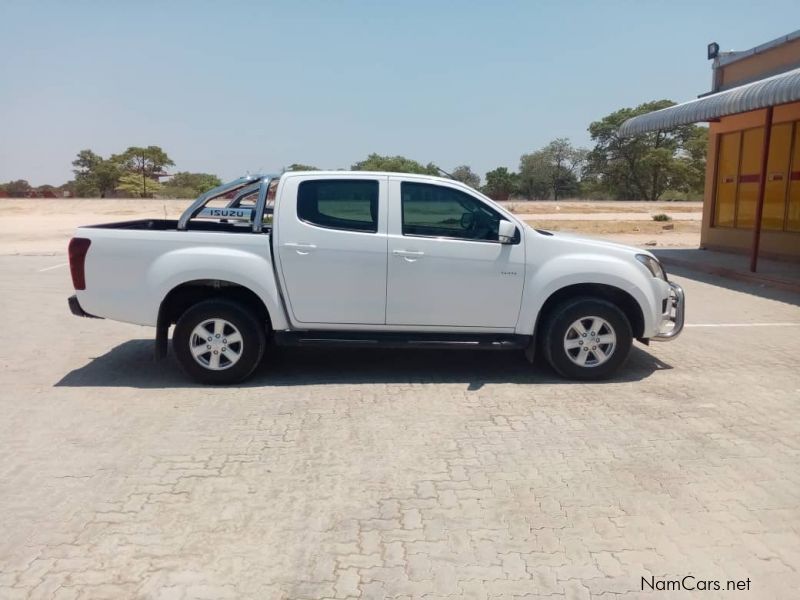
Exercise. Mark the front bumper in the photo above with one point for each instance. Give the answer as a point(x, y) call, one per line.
point(676, 310)
point(76, 309)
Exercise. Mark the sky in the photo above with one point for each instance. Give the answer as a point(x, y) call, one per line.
point(236, 87)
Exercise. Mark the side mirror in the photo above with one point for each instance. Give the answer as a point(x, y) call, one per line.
point(506, 231)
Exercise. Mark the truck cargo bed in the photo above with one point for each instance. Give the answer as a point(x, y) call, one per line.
point(172, 225)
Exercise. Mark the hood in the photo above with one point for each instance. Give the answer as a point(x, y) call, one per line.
point(593, 243)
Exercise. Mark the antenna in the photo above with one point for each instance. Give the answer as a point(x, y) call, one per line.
point(443, 172)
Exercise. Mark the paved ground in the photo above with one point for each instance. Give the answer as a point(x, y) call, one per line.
point(344, 474)
point(631, 216)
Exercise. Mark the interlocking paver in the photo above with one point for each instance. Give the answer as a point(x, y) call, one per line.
point(351, 474)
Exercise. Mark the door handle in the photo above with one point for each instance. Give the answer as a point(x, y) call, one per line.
point(408, 255)
point(300, 248)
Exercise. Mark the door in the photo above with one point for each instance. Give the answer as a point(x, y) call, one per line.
point(780, 147)
point(446, 267)
point(749, 177)
point(331, 240)
point(727, 176)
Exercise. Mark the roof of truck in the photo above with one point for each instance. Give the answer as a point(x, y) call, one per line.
point(373, 173)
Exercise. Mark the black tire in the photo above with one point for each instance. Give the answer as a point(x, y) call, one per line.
point(250, 348)
point(559, 323)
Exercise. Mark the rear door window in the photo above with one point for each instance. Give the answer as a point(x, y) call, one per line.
point(348, 204)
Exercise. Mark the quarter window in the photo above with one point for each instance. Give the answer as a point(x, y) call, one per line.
point(339, 203)
point(438, 211)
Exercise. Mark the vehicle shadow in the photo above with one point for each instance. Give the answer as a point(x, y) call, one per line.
point(131, 364)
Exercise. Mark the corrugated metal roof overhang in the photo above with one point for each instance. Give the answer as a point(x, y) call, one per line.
point(778, 89)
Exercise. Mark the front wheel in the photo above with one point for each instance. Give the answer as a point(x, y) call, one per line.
point(218, 342)
point(587, 338)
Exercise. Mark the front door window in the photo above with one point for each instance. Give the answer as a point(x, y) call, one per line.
point(439, 211)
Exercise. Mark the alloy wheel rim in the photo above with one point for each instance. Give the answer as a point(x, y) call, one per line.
point(216, 344)
point(590, 341)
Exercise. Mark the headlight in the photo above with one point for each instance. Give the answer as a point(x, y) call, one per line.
point(652, 265)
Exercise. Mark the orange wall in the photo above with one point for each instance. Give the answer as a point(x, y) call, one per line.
point(769, 62)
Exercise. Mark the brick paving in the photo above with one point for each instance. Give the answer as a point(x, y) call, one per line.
point(355, 474)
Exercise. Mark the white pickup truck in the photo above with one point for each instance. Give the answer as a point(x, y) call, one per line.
point(368, 259)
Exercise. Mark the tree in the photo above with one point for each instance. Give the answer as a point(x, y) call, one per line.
point(566, 166)
point(107, 175)
point(693, 158)
point(85, 165)
point(86, 188)
point(17, 189)
point(67, 189)
point(534, 175)
point(465, 175)
point(300, 167)
point(552, 171)
point(136, 186)
point(394, 164)
point(189, 185)
point(148, 163)
point(94, 175)
point(501, 184)
point(644, 166)
point(86, 162)
point(46, 191)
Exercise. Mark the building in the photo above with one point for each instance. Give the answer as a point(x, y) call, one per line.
point(753, 111)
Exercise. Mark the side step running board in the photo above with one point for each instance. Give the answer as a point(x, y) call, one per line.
point(401, 339)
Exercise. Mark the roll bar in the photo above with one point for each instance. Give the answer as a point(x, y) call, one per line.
point(246, 186)
point(244, 193)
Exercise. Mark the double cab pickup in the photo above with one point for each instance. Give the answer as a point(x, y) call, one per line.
point(368, 259)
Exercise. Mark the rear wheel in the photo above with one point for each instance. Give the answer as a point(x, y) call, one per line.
point(218, 342)
point(587, 338)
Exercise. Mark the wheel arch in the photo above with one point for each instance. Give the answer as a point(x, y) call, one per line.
point(188, 293)
point(617, 296)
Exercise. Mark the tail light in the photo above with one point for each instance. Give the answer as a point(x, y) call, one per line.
point(78, 247)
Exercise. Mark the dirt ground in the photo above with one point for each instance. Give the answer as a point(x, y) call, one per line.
point(595, 206)
point(40, 226)
point(651, 234)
